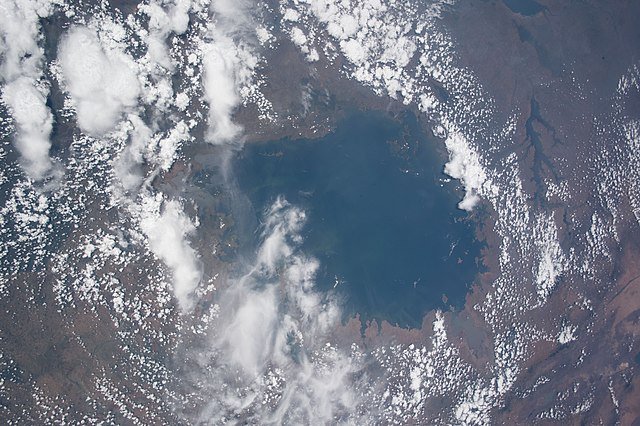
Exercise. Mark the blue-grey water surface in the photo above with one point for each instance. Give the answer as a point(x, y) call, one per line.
point(380, 218)
point(525, 7)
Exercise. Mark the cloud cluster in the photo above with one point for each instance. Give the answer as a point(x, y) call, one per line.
point(274, 328)
point(21, 71)
point(162, 21)
point(167, 228)
point(110, 91)
point(464, 165)
point(552, 262)
point(103, 84)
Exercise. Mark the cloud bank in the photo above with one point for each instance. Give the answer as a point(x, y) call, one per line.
point(103, 84)
point(21, 71)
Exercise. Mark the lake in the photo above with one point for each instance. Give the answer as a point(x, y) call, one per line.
point(525, 7)
point(382, 217)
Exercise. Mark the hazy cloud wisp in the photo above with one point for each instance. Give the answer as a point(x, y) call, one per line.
point(274, 327)
point(228, 62)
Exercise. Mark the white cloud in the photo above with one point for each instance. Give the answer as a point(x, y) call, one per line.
point(298, 37)
point(247, 336)
point(353, 50)
point(233, 16)
point(103, 84)
point(162, 21)
point(167, 228)
point(21, 71)
point(34, 122)
point(170, 144)
point(145, 148)
point(20, 30)
point(567, 334)
point(551, 261)
point(273, 328)
point(464, 165)
point(290, 15)
point(228, 61)
point(179, 16)
point(282, 223)
point(220, 92)
point(133, 155)
point(343, 27)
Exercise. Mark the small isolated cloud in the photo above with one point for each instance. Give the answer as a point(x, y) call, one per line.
point(21, 71)
point(102, 84)
point(167, 228)
point(567, 334)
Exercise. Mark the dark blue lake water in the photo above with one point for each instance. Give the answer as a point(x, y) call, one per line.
point(525, 7)
point(380, 219)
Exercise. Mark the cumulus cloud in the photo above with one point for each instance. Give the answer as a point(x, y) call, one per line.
point(464, 164)
point(167, 229)
point(21, 71)
point(234, 16)
point(129, 161)
point(162, 21)
point(552, 262)
point(150, 144)
point(20, 29)
point(170, 144)
point(103, 84)
point(159, 27)
point(281, 227)
point(34, 122)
